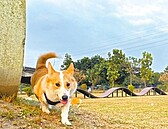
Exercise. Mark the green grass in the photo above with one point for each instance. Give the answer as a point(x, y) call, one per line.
point(130, 112)
point(147, 112)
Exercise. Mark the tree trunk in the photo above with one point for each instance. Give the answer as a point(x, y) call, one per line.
point(112, 83)
point(131, 78)
point(12, 41)
point(145, 83)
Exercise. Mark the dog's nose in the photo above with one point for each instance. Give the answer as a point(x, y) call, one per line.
point(64, 97)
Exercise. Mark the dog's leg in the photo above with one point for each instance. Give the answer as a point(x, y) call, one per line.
point(50, 106)
point(45, 107)
point(64, 114)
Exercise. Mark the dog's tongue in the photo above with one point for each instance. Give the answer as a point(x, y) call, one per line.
point(64, 101)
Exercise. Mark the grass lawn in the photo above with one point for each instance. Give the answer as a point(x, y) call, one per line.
point(149, 112)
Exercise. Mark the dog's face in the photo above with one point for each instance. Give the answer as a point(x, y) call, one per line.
point(61, 84)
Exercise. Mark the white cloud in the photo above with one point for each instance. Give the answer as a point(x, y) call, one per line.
point(70, 5)
point(141, 12)
point(141, 21)
point(83, 9)
point(165, 29)
point(135, 12)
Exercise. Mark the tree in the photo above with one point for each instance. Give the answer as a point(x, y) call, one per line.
point(83, 64)
point(102, 72)
point(154, 80)
point(166, 69)
point(91, 68)
point(135, 82)
point(145, 69)
point(114, 63)
point(131, 64)
point(164, 78)
point(79, 76)
point(94, 73)
point(67, 61)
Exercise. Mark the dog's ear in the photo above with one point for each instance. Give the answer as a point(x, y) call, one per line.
point(50, 69)
point(70, 69)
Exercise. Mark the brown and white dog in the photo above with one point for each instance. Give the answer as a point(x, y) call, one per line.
point(52, 87)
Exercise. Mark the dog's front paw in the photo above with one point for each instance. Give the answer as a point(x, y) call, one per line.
point(66, 122)
point(46, 111)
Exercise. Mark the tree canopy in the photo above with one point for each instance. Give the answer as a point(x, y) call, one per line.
point(145, 67)
point(115, 70)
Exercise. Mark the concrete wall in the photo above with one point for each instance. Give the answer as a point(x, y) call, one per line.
point(12, 41)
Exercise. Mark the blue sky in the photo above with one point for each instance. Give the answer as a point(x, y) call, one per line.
point(90, 27)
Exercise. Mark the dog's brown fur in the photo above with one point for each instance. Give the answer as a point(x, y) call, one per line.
point(53, 84)
point(41, 68)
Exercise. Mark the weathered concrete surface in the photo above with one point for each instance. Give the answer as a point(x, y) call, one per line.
point(12, 41)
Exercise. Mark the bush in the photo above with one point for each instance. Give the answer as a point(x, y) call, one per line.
point(163, 87)
point(160, 87)
point(23, 86)
point(83, 86)
point(131, 87)
point(166, 87)
point(28, 91)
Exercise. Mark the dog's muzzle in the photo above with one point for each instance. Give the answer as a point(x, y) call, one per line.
point(64, 99)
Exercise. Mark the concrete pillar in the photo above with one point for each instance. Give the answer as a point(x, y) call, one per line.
point(12, 41)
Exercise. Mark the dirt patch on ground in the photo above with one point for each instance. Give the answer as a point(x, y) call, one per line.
point(23, 114)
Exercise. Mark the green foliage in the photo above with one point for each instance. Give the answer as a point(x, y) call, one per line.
point(83, 64)
point(163, 87)
point(132, 67)
point(93, 68)
point(83, 86)
point(166, 69)
point(116, 69)
point(160, 87)
point(154, 79)
point(166, 87)
point(22, 86)
point(67, 61)
point(28, 91)
point(114, 63)
point(93, 74)
point(131, 87)
point(135, 82)
point(164, 79)
point(145, 69)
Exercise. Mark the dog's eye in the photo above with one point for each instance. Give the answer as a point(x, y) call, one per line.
point(57, 84)
point(68, 84)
